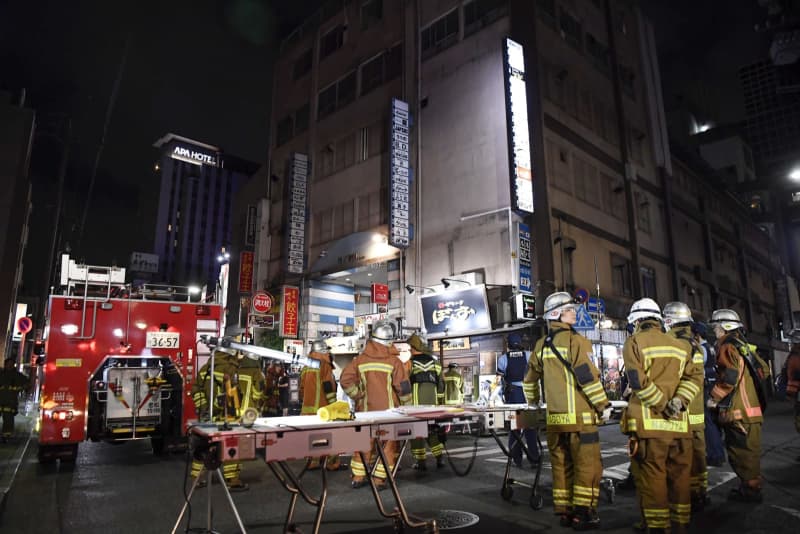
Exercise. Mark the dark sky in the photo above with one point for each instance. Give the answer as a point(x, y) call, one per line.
point(198, 68)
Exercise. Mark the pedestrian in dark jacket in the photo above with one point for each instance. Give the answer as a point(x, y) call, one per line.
point(12, 382)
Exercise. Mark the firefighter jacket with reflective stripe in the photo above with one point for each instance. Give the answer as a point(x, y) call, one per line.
point(735, 389)
point(574, 397)
point(793, 374)
point(239, 382)
point(686, 389)
point(453, 387)
point(658, 367)
point(511, 366)
point(427, 384)
point(376, 379)
point(12, 382)
point(317, 386)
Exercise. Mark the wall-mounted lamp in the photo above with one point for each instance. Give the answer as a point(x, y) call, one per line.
point(410, 288)
point(446, 282)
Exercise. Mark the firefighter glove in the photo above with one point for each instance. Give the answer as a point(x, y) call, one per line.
point(606, 415)
point(711, 403)
point(673, 408)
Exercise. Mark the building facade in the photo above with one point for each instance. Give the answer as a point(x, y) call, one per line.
point(615, 214)
point(198, 187)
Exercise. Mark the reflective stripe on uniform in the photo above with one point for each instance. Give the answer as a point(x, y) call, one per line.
point(375, 367)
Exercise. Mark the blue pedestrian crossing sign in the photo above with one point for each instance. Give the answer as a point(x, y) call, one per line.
point(584, 320)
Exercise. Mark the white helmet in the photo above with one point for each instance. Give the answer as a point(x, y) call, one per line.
point(320, 346)
point(645, 308)
point(557, 303)
point(676, 313)
point(727, 319)
point(384, 332)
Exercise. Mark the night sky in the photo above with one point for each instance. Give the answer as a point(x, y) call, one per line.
point(202, 69)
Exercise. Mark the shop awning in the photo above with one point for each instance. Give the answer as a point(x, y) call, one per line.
point(353, 251)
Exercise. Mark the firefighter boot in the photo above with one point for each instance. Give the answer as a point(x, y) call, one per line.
point(358, 482)
point(380, 483)
point(420, 465)
point(313, 464)
point(334, 463)
point(565, 518)
point(236, 485)
point(746, 493)
point(678, 528)
point(585, 518)
point(439, 461)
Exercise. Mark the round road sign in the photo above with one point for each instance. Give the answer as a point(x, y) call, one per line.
point(24, 324)
point(262, 302)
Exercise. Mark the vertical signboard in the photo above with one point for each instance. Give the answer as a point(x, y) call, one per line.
point(524, 284)
point(245, 271)
point(519, 146)
point(290, 308)
point(399, 175)
point(298, 192)
point(250, 227)
point(380, 293)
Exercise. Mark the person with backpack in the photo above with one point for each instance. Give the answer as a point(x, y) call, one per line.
point(739, 398)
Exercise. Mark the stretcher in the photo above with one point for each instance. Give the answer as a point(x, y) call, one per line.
point(279, 440)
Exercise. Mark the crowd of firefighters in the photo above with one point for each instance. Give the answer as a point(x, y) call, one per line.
point(666, 385)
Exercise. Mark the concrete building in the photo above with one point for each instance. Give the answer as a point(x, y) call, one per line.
point(549, 147)
point(17, 125)
point(198, 186)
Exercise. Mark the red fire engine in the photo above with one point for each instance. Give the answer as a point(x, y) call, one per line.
point(120, 362)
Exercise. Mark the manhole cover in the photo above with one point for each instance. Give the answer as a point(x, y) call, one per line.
point(453, 519)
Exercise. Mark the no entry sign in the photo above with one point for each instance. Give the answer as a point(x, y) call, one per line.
point(24, 325)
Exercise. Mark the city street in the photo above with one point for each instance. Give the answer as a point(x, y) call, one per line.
point(125, 489)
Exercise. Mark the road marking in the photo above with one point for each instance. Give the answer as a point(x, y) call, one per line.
point(451, 450)
point(620, 470)
point(464, 455)
point(725, 478)
point(790, 511)
point(613, 451)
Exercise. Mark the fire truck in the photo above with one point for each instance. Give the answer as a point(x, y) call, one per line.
point(119, 362)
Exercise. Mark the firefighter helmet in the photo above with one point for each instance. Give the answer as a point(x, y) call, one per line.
point(319, 345)
point(676, 313)
point(557, 303)
point(727, 319)
point(384, 332)
point(645, 308)
point(419, 344)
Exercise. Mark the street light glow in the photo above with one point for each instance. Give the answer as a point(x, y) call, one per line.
point(795, 174)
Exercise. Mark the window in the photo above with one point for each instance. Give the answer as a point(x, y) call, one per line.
point(285, 128)
point(613, 195)
point(371, 12)
point(440, 34)
point(621, 275)
point(558, 166)
point(376, 142)
point(393, 62)
point(346, 90)
point(599, 53)
point(649, 283)
point(371, 74)
point(302, 65)
point(643, 212)
point(331, 42)
point(301, 120)
point(570, 29)
point(326, 103)
point(326, 159)
point(480, 13)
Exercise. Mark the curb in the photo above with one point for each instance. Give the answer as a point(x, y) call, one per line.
point(7, 477)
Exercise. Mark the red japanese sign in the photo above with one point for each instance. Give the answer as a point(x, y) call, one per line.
point(380, 293)
point(290, 311)
point(262, 302)
point(245, 272)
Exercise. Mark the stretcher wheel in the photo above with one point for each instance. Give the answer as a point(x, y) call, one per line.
point(506, 492)
point(537, 501)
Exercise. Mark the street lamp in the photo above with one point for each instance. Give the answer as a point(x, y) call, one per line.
point(795, 174)
point(446, 282)
point(410, 288)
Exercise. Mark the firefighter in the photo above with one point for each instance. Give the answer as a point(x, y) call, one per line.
point(453, 385)
point(238, 384)
point(427, 387)
point(793, 381)
point(377, 380)
point(678, 319)
point(739, 401)
point(318, 389)
point(576, 402)
point(511, 367)
point(663, 379)
point(12, 382)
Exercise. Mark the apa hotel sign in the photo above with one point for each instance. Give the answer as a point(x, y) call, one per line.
point(194, 156)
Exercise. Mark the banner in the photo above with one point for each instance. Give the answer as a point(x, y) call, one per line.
point(456, 312)
point(245, 272)
point(519, 146)
point(399, 174)
point(290, 311)
point(296, 216)
point(380, 293)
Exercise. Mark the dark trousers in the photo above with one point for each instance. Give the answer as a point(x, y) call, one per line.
point(514, 395)
point(8, 423)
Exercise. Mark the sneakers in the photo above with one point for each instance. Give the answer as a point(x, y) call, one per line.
point(745, 494)
point(585, 519)
point(236, 485)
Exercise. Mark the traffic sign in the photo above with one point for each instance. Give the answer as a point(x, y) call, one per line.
point(24, 325)
point(584, 320)
point(581, 295)
point(596, 305)
point(262, 302)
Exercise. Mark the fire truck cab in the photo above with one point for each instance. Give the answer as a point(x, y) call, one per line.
point(119, 361)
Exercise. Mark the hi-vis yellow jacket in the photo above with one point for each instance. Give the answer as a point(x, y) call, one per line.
point(696, 405)
point(659, 367)
point(574, 398)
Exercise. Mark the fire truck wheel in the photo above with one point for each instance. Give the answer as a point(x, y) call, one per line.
point(45, 455)
point(158, 446)
point(72, 455)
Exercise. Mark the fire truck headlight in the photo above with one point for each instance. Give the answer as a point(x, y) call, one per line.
point(141, 325)
point(118, 332)
point(69, 329)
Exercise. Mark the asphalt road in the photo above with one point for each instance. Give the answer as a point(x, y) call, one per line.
point(125, 489)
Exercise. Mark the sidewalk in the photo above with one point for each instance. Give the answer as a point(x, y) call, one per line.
point(11, 453)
